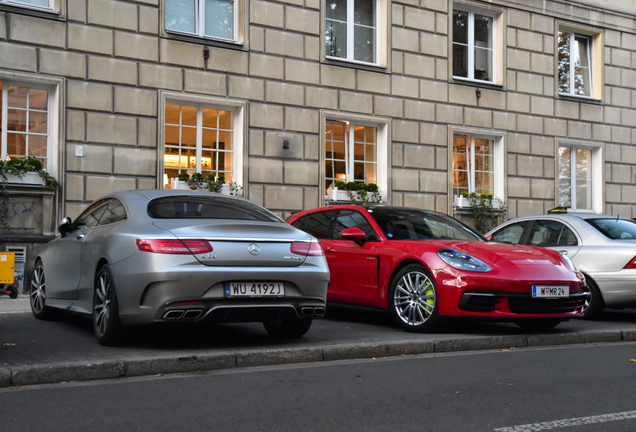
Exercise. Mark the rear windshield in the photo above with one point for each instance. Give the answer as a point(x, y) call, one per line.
point(616, 229)
point(213, 207)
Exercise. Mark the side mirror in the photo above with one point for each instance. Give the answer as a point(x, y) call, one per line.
point(65, 226)
point(355, 234)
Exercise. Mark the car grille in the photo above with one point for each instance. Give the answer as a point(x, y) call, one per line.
point(520, 303)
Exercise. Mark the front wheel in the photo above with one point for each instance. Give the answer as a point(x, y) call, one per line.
point(594, 303)
point(413, 300)
point(288, 328)
point(106, 323)
point(37, 295)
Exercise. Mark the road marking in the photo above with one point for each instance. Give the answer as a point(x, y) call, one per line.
point(603, 418)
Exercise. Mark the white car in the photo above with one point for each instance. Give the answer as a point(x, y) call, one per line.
point(602, 247)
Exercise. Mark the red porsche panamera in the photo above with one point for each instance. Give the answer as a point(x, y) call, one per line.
point(421, 265)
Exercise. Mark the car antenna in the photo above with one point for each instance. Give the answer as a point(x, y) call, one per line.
point(617, 216)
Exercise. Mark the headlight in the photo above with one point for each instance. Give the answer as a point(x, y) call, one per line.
point(569, 262)
point(461, 261)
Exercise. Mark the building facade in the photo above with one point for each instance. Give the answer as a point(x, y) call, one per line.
point(531, 101)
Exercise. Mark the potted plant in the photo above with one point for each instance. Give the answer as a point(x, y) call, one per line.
point(487, 211)
point(26, 171)
point(360, 193)
point(337, 191)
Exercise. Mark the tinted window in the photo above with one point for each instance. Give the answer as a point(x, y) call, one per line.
point(402, 224)
point(350, 219)
point(548, 233)
point(616, 229)
point(114, 212)
point(316, 224)
point(511, 233)
point(91, 215)
point(208, 207)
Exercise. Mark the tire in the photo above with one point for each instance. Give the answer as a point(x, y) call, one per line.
point(37, 294)
point(289, 328)
point(14, 292)
point(106, 323)
point(413, 300)
point(594, 304)
point(538, 324)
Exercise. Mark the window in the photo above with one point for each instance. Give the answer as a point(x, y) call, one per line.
point(356, 30)
point(24, 122)
point(35, 4)
point(580, 178)
point(477, 165)
point(204, 18)
point(475, 45)
point(202, 138)
point(579, 63)
point(548, 233)
point(512, 233)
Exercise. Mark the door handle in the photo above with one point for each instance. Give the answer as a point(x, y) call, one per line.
point(330, 249)
point(80, 236)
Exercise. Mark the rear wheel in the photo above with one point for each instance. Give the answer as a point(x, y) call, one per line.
point(413, 299)
point(538, 324)
point(106, 323)
point(288, 328)
point(594, 303)
point(37, 295)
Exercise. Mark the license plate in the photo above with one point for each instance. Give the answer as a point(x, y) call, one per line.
point(254, 289)
point(550, 291)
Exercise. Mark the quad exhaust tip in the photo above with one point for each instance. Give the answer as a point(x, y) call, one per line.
point(178, 314)
point(313, 311)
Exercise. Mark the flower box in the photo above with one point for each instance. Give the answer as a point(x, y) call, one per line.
point(27, 178)
point(464, 202)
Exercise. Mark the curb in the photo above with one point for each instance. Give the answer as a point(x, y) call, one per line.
point(81, 371)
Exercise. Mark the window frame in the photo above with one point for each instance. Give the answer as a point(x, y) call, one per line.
point(238, 38)
point(595, 52)
point(54, 115)
point(239, 131)
point(383, 159)
point(498, 36)
point(499, 159)
point(598, 185)
point(382, 26)
point(53, 7)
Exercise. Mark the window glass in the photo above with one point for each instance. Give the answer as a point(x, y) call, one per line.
point(473, 45)
point(91, 215)
point(316, 224)
point(574, 64)
point(510, 234)
point(616, 229)
point(198, 139)
point(24, 130)
point(208, 207)
point(351, 30)
point(114, 212)
point(351, 153)
point(350, 219)
point(575, 178)
point(38, 3)
point(212, 18)
point(473, 165)
point(548, 233)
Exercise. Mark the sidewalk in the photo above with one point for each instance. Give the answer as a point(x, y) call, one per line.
point(37, 352)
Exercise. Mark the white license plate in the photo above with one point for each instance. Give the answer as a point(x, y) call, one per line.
point(550, 291)
point(254, 289)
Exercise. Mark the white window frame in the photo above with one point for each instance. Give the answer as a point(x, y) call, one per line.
point(381, 34)
point(499, 160)
point(382, 126)
point(597, 175)
point(52, 5)
point(497, 43)
point(238, 32)
point(53, 144)
point(238, 136)
point(595, 53)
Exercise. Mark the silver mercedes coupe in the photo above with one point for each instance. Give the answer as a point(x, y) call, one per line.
point(149, 256)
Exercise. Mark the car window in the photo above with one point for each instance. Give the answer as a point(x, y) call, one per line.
point(548, 233)
point(616, 229)
point(208, 207)
point(113, 212)
point(350, 219)
point(316, 224)
point(91, 215)
point(511, 233)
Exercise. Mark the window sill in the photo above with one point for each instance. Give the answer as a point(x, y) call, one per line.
point(476, 83)
point(576, 98)
point(205, 40)
point(31, 10)
point(337, 61)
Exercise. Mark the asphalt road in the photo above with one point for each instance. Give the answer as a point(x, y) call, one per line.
point(36, 352)
point(580, 388)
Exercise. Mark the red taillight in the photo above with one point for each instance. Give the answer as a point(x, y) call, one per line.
point(631, 264)
point(177, 247)
point(306, 248)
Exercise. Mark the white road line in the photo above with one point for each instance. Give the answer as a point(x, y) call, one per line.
point(603, 418)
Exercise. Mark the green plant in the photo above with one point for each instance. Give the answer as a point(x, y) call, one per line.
point(485, 215)
point(340, 184)
point(361, 194)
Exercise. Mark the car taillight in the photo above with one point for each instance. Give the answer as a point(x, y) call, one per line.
point(171, 246)
point(306, 248)
point(631, 264)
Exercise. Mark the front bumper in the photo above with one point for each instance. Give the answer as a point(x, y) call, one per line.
point(499, 303)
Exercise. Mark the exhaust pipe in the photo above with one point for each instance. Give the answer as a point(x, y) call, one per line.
point(173, 315)
point(192, 314)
